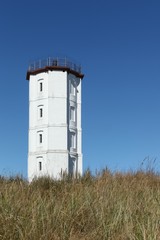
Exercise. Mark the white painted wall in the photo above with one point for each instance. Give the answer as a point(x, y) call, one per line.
point(55, 154)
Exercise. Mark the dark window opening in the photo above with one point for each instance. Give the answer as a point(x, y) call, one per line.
point(40, 137)
point(41, 87)
point(40, 166)
point(41, 112)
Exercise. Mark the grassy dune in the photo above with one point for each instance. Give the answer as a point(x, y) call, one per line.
point(111, 206)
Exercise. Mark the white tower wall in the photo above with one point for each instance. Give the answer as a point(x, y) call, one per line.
point(55, 134)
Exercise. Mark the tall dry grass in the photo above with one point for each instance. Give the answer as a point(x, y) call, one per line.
point(111, 206)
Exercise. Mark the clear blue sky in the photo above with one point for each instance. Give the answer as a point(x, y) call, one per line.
point(118, 45)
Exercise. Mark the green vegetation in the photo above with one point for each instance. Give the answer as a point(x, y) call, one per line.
point(111, 206)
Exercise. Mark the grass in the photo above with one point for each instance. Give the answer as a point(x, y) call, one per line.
point(111, 206)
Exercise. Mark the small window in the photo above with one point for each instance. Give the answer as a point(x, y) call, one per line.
point(41, 112)
point(40, 86)
point(40, 166)
point(73, 140)
point(39, 163)
point(40, 138)
point(72, 114)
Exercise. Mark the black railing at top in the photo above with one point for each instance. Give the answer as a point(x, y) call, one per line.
point(50, 62)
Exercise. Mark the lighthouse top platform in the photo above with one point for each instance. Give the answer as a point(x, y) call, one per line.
point(54, 64)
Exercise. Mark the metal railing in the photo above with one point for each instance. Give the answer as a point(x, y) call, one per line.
point(54, 62)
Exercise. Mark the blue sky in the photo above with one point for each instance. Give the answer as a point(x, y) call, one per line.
point(118, 46)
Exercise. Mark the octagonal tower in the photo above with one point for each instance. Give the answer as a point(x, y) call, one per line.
point(55, 133)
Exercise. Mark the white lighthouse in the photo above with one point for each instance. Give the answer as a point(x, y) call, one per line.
point(55, 133)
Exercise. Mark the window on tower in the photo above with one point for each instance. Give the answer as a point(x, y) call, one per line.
point(40, 138)
point(72, 114)
point(40, 166)
point(39, 163)
point(40, 86)
point(72, 140)
point(40, 112)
